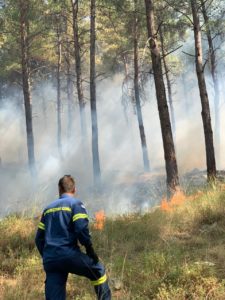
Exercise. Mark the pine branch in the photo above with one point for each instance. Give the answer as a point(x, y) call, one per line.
point(173, 50)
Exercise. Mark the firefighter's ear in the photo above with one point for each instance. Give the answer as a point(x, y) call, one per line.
point(74, 191)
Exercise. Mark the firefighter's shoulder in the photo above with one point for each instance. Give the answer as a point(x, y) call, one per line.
point(78, 205)
point(79, 212)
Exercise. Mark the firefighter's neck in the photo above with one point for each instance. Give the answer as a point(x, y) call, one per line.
point(70, 194)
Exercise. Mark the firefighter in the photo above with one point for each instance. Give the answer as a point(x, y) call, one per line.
point(63, 224)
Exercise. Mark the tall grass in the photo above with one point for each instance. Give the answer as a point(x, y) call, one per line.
point(176, 254)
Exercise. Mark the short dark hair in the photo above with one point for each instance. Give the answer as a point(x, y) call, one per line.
point(66, 184)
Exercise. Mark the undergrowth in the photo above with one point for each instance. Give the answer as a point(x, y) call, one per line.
point(175, 255)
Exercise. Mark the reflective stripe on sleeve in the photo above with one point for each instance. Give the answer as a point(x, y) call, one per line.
point(41, 226)
point(101, 280)
point(52, 210)
point(79, 216)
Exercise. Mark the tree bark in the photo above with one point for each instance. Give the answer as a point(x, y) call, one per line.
point(69, 89)
point(94, 119)
point(168, 81)
point(44, 109)
point(137, 94)
point(206, 118)
point(125, 63)
point(79, 84)
point(126, 79)
point(26, 83)
point(168, 144)
point(212, 59)
point(59, 104)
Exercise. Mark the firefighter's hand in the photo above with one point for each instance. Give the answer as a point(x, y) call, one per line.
point(91, 253)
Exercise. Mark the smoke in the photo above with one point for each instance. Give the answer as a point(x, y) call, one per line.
point(126, 187)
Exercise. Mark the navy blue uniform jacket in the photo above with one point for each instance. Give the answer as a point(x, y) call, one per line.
point(63, 223)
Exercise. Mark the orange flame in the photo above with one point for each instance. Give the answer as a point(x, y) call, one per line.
point(99, 220)
point(178, 199)
point(165, 205)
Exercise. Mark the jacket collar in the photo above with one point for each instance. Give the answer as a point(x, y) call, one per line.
point(65, 195)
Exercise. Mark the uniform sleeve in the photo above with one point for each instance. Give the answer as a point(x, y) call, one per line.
point(80, 224)
point(40, 236)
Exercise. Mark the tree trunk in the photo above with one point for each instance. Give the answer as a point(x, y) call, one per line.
point(59, 104)
point(210, 156)
point(125, 63)
point(77, 55)
point(137, 94)
point(124, 88)
point(44, 110)
point(212, 58)
point(168, 144)
point(94, 119)
point(69, 90)
point(169, 87)
point(26, 85)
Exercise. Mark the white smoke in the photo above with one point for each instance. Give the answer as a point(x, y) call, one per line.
point(125, 184)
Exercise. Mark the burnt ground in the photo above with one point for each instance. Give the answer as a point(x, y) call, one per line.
point(122, 192)
point(146, 190)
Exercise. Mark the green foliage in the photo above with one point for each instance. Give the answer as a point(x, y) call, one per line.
point(39, 38)
point(114, 33)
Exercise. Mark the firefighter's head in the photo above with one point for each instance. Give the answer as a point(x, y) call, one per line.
point(67, 185)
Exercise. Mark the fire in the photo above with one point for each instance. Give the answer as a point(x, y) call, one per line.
point(99, 220)
point(165, 205)
point(178, 199)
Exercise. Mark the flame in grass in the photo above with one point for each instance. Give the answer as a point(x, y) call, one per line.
point(99, 220)
point(178, 199)
point(165, 205)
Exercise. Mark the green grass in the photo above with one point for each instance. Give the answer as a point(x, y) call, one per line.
point(160, 255)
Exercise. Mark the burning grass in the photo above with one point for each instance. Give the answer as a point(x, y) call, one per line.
point(175, 253)
point(178, 199)
point(99, 220)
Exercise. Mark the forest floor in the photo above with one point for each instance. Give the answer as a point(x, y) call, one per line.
point(174, 252)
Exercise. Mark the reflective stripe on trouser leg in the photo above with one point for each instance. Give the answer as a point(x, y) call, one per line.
point(101, 280)
point(81, 264)
point(100, 284)
point(103, 291)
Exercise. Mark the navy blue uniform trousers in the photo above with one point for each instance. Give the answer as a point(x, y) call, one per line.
point(79, 264)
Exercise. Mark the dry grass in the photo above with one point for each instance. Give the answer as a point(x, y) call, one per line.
point(175, 254)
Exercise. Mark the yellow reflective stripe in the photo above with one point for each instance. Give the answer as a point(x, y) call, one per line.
point(80, 216)
point(41, 226)
point(52, 210)
point(101, 280)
